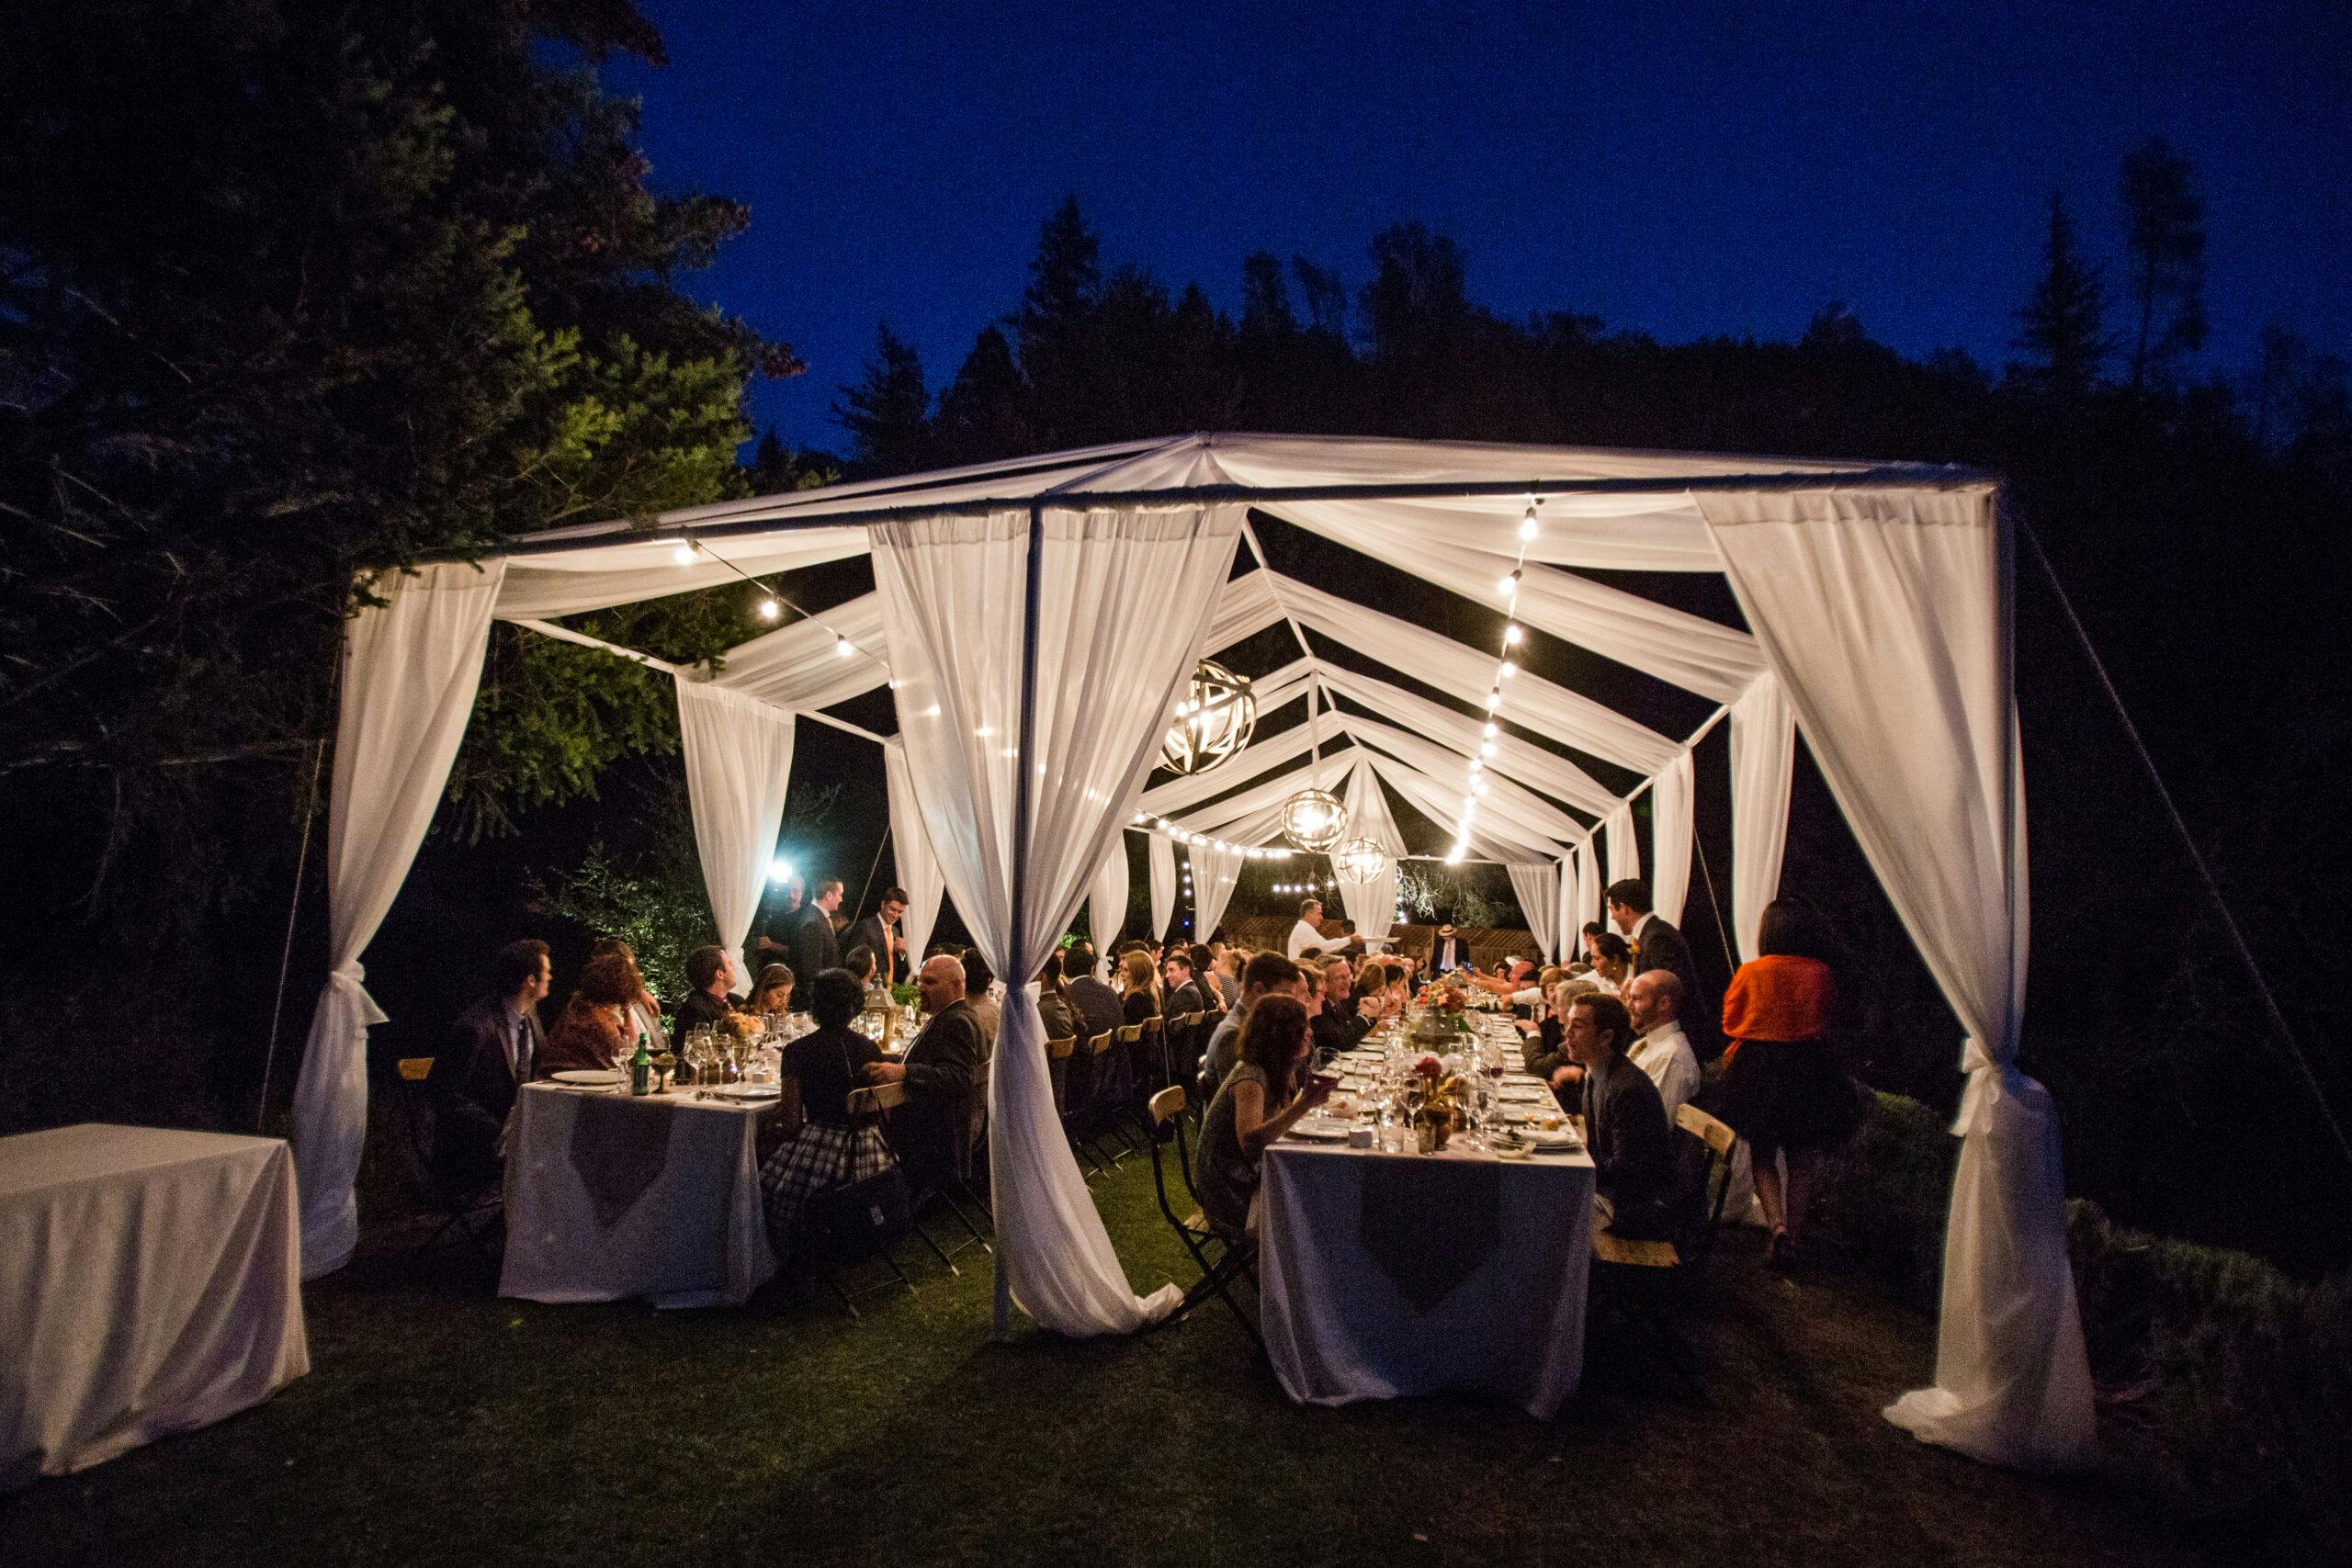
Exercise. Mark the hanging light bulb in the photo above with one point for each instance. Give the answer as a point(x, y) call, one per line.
point(1511, 634)
point(1494, 700)
point(1486, 747)
point(1213, 723)
point(1453, 856)
point(770, 609)
point(1482, 788)
point(1508, 670)
point(684, 554)
point(841, 648)
point(1314, 820)
point(1359, 860)
point(1527, 524)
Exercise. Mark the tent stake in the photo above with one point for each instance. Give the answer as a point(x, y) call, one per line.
point(2195, 856)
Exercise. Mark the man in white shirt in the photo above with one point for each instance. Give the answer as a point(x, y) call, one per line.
point(1307, 933)
point(1654, 997)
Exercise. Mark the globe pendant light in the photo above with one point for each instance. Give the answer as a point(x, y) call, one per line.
point(1313, 819)
point(1214, 720)
point(1359, 860)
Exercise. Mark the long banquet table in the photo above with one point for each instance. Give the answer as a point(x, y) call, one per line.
point(1390, 1274)
point(610, 1197)
point(150, 1283)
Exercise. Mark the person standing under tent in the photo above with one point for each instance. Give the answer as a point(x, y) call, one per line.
point(1657, 946)
point(815, 947)
point(1450, 952)
point(1782, 1090)
point(879, 932)
point(1307, 933)
point(777, 919)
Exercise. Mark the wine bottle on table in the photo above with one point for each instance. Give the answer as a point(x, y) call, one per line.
point(640, 1069)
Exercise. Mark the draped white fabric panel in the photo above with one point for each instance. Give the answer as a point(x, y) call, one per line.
point(1624, 852)
point(1160, 855)
point(1670, 839)
point(1538, 818)
point(1529, 764)
point(1245, 607)
point(1538, 890)
point(409, 670)
point(1106, 900)
point(1672, 645)
point(1763, 761)
point(1493, 835)
point(633, 567)
point(1122, 601)
point(1888, 619)
point(801, 666)
point(1588, 904)
point(739, 764)
point(1372, 905)
point(918, 872)
point(1216, 869)
point(1438, 661)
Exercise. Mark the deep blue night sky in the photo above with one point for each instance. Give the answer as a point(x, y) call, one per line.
point(1684, 171)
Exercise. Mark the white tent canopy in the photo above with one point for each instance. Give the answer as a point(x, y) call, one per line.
point(1036, 619)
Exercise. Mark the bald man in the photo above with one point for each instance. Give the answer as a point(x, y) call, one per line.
point(934, 1129)
point(1654, 1000)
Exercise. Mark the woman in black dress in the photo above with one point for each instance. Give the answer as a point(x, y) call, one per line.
point(831, 1149)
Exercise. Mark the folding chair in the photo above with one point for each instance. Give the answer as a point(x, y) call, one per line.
point(1234, 1259)
point(472, 1212)
point(838, 1244)
point(1077, 1109)
point(871, 1101)
point(1110, 1111)
point(1639, 1281)
point(885, 1097)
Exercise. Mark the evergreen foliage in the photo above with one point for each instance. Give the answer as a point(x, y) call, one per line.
point(2061, 329)
point(2165, 237)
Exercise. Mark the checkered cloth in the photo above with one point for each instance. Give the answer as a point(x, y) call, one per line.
point(816, 1158)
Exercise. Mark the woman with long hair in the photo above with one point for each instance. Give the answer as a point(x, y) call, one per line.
point(772, 992)
point(591, 1033)
point(1260, 1101)
point(1138, 987)
point(1783, 1091)
point(643, 1013)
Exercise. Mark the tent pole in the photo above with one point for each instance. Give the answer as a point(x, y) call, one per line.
point(2196, 857)
point(1031, 590)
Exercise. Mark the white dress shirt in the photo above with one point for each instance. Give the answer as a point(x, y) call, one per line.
point(1303, 936)
point(1665, 1053)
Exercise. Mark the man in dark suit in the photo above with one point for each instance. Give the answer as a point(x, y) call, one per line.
point(1450, 952)
point(486, 1062)
point(1657, 946)
point(779, 916)
point(1183, 993)
point(815, 946)
point(878, 934)
point(1345, 1019)
point(711, 972)
point(1625, 1123)
point(1097, 1005)
point(934, 1129)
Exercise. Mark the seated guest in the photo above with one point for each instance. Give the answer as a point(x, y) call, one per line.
point(1220, 972)
point(1653, 1001)
point(1268, 973)
point(1260, 1099)
point(935, 1129)
point(1138, 997)
point(589, 1032)
point(979, 982)
point(1514, 981)
point(772, 992)
point(831, 1149)
point(859, 962)
point(711, 972)
point(489, 1056)
point(644, 1012)
point(1053, 1000)
point(1185, 992)
point(1625, 1125)
point(1544, 1052)
point(1096, 1004)
point(1346, 1018)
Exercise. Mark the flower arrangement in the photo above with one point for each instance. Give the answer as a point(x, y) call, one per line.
point(1440, 1092)
point(741, 1026)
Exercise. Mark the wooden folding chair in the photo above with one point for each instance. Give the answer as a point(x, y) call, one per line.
point(873, 1100)
point(474, 1213)
point(1640, 1282)
point(1083, 1070)
point(1232, 1260)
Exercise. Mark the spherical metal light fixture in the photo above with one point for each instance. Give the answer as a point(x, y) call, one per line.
point(1314, 820)
point(1214, 719)
point(1359, 860)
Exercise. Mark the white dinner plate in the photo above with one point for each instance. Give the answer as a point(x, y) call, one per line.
point(748, 1091)
point(1554, 1143)
point(592, 1078)
point(1320, 1132)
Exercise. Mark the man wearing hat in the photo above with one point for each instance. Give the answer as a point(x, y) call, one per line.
point(1451, 952)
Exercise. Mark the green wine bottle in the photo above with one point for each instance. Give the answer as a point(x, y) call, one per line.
point(640, 1069)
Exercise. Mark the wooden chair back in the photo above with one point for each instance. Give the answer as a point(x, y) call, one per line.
point(1168, 1102)
point(415, 1069)
point(1715, 1135)
point(1102, 1042)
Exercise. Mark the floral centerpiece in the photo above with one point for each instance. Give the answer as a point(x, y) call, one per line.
point(1436, 1095)
point(1442, 1016)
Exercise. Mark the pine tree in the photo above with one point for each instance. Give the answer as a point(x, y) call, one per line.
point(1265, 299)
point(2167, 239)
point(2061, 330)
point(984, 413)
point(1065, 283)
point(888, 413)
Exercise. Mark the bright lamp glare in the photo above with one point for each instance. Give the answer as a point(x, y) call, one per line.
point(684, 554)
point(779, 870)
point(842, 647)
point(770, 609)
point(1511, 635)
point(1494, 701)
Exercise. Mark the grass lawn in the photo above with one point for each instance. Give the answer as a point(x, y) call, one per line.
point(440, 1426)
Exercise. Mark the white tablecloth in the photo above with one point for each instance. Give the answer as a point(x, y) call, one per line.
point(610, 1197)
point(1400, 1274)
point(150, 1283)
